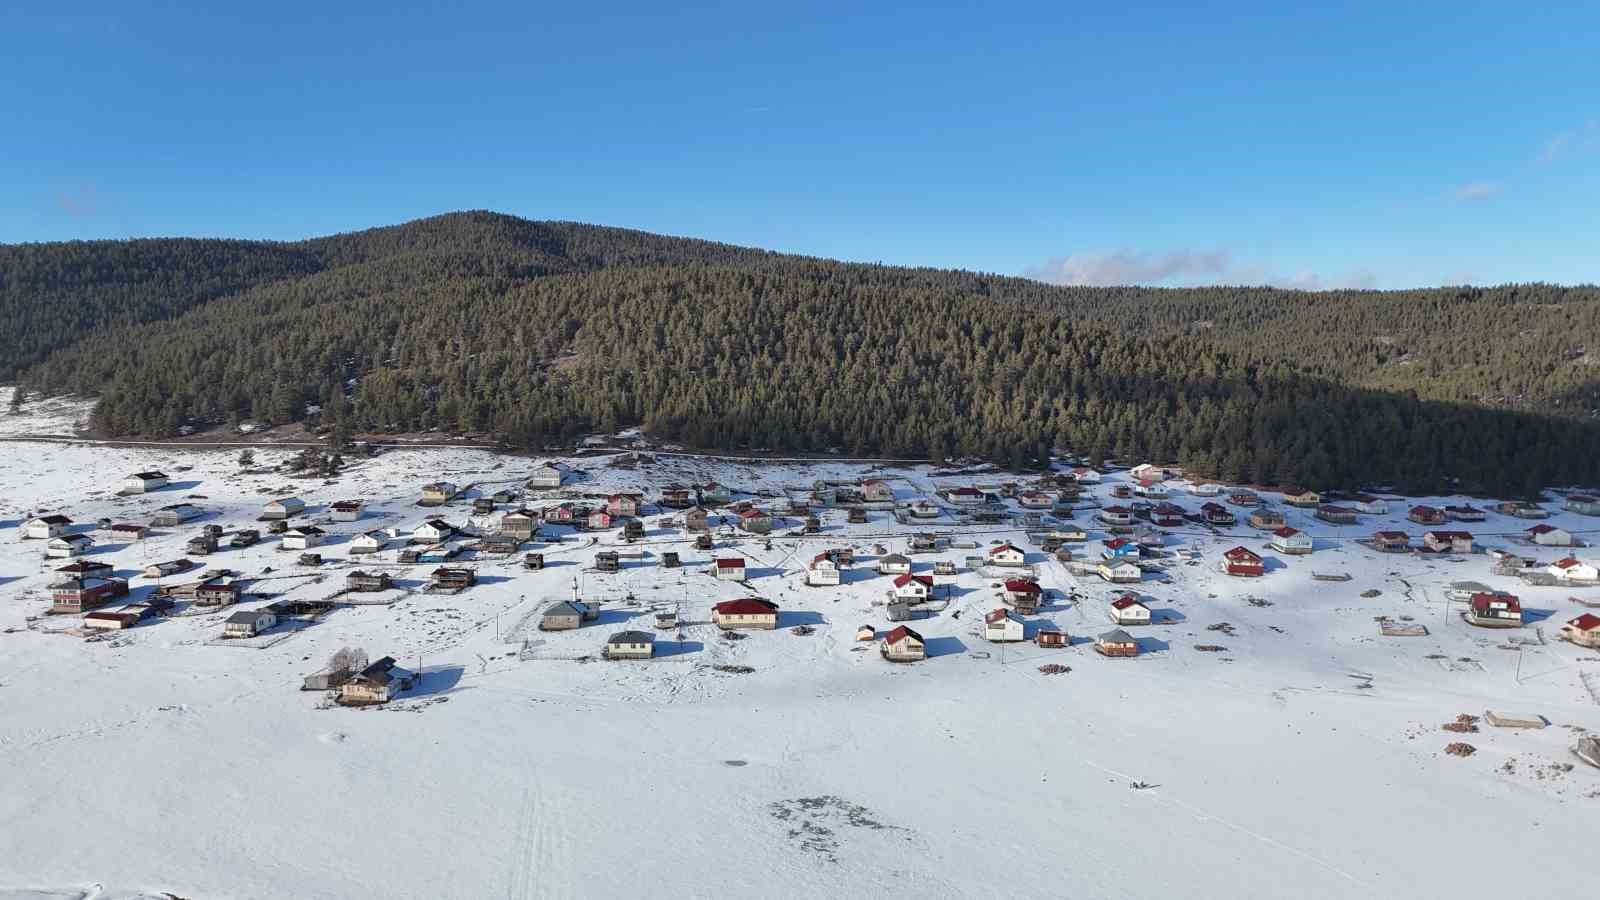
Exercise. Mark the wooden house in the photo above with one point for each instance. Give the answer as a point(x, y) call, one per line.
point(1243, 498)
point(630, 645)
point(436, 493)
point(1549, 535)
point(68, 545)
point(216, 592)
point(347, 510)
point(521, 524)
point(42, 528)
point(565, 514)
point(533, 562)
point(1243, 562)
point(675, 496)
point(175, 515)
point(1391, 542)
point(1336, 515)
point(1116, 643)
point(1266, 519)
point(130, 531)
point(85, 568)
point(302, 538)
point(623, 505)
point(894, 564)
point(1120, 571)
point(1572, 571)
point(876, 490)
point(1491, 610)
point(607, 561)
point(1292, 541)
point(1002, 627)
point(245, 537)
point(362, 582)
point(823, 571)
point(1583, 631)
point(1522, 509)
point(746, 612)
point(371, 542)
point(755, 521)
point(1466, 513)
point(1367, 504)
point(80, 594)
point(902, 644)
point(282, 508)
point(247, 623)
point(1299, 496)
point(1426, 515)
point(1051, 638)
point(729, 568)
point(1006, 555)
point(167, 569)
point(141, 482)
point(482, 506)
point(432, 531)
point(1023, 595)
point(913, 588)
point(599, 520)
point(1116, 516)
point(1448, 541)
point(547, 476)
point(378, 683)
point(202, 544)
point(923, 508)
point(697, 518)
point(450, 578)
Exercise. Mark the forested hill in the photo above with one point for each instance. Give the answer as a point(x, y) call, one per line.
point(542, 330)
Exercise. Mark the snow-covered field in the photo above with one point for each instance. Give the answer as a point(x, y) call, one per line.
point(1304, 760)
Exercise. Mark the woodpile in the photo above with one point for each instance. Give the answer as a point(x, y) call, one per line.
point(1223, 627)
point(1054, 669)
point(1460, 749)
point(1211, 648)
point(1464, 724)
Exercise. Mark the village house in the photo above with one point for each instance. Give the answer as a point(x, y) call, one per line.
point(283, 508)
point(85, 568)
point(623, 505)
point(607, 561)
point(364, 582)
point(1116, 642)
point(755, 521)
point(1549, 535)
point(80, 594)
point(303, 538)
point(913, 588)
point(964, 496)
point(347, 510)
point(1069, 533)
point(697, 518)
point(141, 482)
point(1583, 504)
point(42, 528)
point(1292, 541)
point(866, 633)
point(1267, 519)
point(482, 506)
point(1001, 627)
point(714, 494)
point(1121, 571)
point(923, 508)
point(1023, 595)
point(436, 493)
point(566, 615)
point(1119, 548)
point(729, 568)
point(1006, 555)
point(1448, 541)
point(599, 520)
point(1170, 515)
point(432, 531)
point(1467, 513)
point(547, 476)
point(630, 645)
point(216, 593)
point(1583, 631)
point(202, 544)
point(1336, 515)
point(1495, 611)
point(1426, 515)
point(565, 514)
point(378, 683)
point(175, 515)
point(1243, 498)
point(1522, 509)
point(1116, 516)
point(371, 542)
point(823, 571)
point(1370, 505)
point(1391, 542)
point(520, 524)
point(746, 612)
point(245, 537)
point(247, 623)
point(1205, 488)
point(166, 569)
point(130, 531)
point(675, 496)
point(533, 562)
point(497, 545)
point(68, 545)
point(1126, 609)
point(900, 610)
point(1034, 500)
point(119, 619)
point(1572, 571)
point(902, 644)
point(1152, 490)
point(1148, 472)
point(1244, 562)
point(877, 490)
point(450, 578)
point(894, 564)
point(1299, 496)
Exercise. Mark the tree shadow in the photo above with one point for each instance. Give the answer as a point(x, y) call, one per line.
point(943, 646)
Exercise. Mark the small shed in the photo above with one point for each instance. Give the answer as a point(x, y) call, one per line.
point(533, 561)
point(1050, 637)
point(670, 559)
point(607, 561)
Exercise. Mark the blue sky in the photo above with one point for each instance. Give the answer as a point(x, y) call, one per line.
point(1384, 145)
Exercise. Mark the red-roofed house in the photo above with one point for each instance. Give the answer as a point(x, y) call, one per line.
point(623, 505)
point(1426, 515)
point(747, 612)
point(1495, 611)
point(1549, 535)
point(823, 571)
point(730, 568)
point(902, 644)
point(1244, 562)
point(1116, 515)
point(1006, 555)
point(1573, 571)
point(876, 490)
point(1392, 541)
point(755, 521)
point(913, 588)
point(1583, 631)
point(1127, 610)
point(1448, 541)
point(1023, 595)
point(1290, 540)
point(1001, 626)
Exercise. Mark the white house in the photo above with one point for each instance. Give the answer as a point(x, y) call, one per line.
point(432, 531)
point(964, 496)
point(1290, 540)
point(1148, 472)
point(1001, 626)
point(68, 545)
point(1370, 505)
point(347, 510)
point(1583, 631)
point(923, 508)
point(1205, 489)
point(283, 508)
point(1572, 570)
point(43, 528)
point(248, 623)
point(1549, 535)
point(371, 542)
point(1119, 571)
point(823, 572)
point(894, 564)
point(139, 482)
point(913, 588)
point(303, 538)
point(1006, 555)
point(730, 569)
point(1127, 610)
point(1034, 500)
point(547, 476)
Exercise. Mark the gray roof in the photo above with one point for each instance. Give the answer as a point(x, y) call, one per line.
point(564, 608)
point(1117, 636)
point(632, 637)
point(894, 558)
point(245, 617)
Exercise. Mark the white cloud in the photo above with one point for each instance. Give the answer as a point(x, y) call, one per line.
point(1477, 190)
point(1582, 139)
point(1185, 268)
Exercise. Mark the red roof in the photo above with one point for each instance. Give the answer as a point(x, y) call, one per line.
point(1586, 622)
point(1568, 563)
point(746, 606)
point(730, 563)
point(1286, 531)
point(967, 491)
point(752, 514)
point(1125, 601)
point(900, 633)
point(1392, 536)
point(1114, 543)
point(1482, 602)
point(1239, 554)
point(1451, 535)
point(1002, 548)
point(1541, 528)
point(822, 556)
point(1021, 586)
point(998, 615)
point(1116, 509)
point(904, 580)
